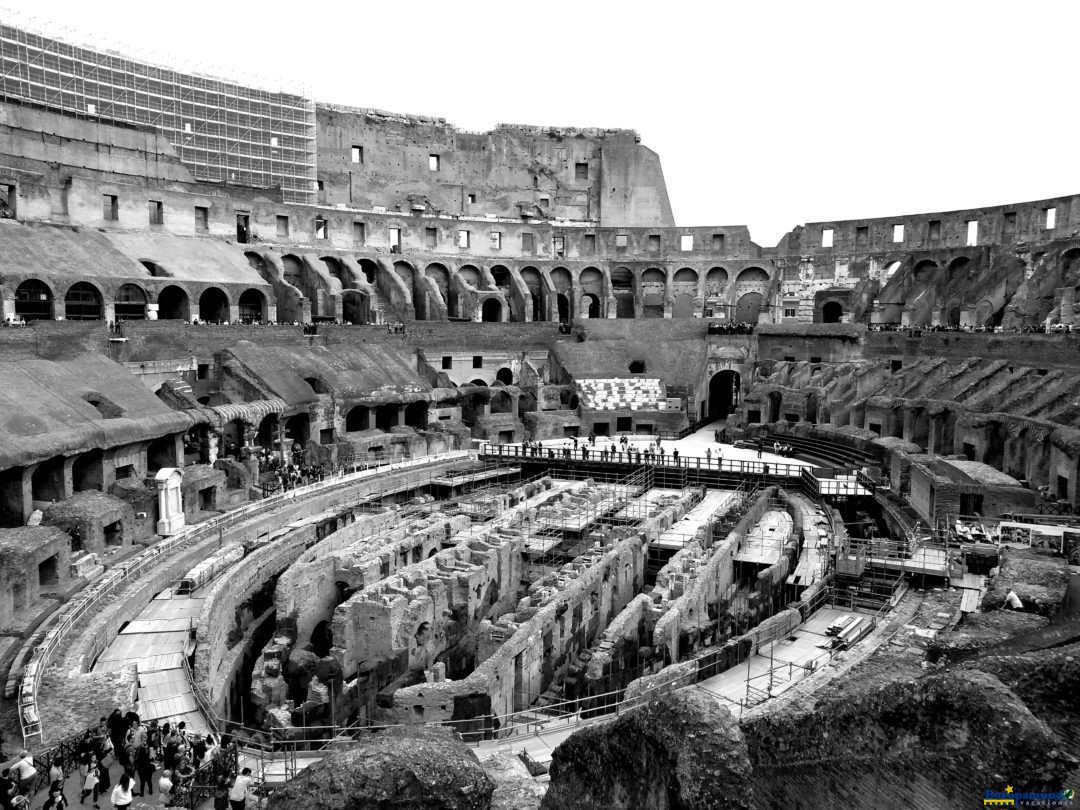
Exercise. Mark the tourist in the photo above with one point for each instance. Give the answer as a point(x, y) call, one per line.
point(56, 771)
point(239, 793)
point(24, 771)
point(8, 786)
point(121, 795)
point(675, 456)
point(56, 800)
point(708, 456)
point(165, 787)
point(144, 767)
point(90, 780)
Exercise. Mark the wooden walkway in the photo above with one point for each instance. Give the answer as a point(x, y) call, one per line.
point(156, 642)
point(765, 542)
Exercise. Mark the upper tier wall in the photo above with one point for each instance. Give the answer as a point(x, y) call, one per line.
point(368, 159)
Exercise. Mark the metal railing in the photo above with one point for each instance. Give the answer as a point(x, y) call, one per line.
point(507, 452)
point(87, 603)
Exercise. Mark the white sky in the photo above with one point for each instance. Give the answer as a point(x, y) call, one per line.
point(768, 114)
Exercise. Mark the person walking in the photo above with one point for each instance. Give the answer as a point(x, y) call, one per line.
point(122, 795)
point(239, 792)
point(90, 780)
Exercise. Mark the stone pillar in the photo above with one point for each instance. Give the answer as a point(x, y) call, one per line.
point(170, 500)
point(401, 416)
point(213, 445)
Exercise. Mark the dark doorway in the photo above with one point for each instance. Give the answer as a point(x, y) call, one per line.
point(564, 308)
point(213, 306)
point(774, 406)
point(491, 312)
point(82, 302)
point(832, 312)
point(33, 301)
point(723, 393)
point(173, 304)
point(505, 376)
point(243, 228)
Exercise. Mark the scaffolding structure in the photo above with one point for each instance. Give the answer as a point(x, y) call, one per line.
point(222, 131)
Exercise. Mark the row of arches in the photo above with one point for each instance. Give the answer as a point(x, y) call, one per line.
point(84, 301)
point(562, 294)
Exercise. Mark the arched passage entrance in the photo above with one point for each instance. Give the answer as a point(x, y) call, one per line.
point(82, 302)
point(590, 305)
point(130, 303)
point(33, 301)
point(173, 304)
point(252, 306)
point(564, 308)
point(357, 419)
point(355, 308)
point(213, 305)
point(748, 308)
point(491, 312)
point(683, 306)
point(723, 393)
point(832, 312)
point(505, 376)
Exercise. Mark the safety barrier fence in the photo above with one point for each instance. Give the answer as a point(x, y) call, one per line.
point(87, 603)
point(636, 457)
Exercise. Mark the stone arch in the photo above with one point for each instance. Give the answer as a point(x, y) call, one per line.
point(173, 304)
point(832, 312)
point(491, 311)
point(259, 265)
point(337, 269)
point(358, 418)
point(590, 306)
point(416, 415)
point(686, 275)
point(591, 280)
point(505, 375)
point(748, 308)
point(83, 302)
point(426, 309)
point(470, 274)
point(252, 304)
point(716, 280)
point(34, 301)
point(723, 393)
point(534, 283)
point(369, 268)
point(683, 306)
point(356, 307)
point(500, 276)
point(213, 305)
point(130, 303)
point(752, 275)
point(958, 264)
point(654, 291)
point(407, 273)
point(622, 288)
point(561, 280)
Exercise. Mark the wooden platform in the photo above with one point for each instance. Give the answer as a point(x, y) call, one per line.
point(764, 543)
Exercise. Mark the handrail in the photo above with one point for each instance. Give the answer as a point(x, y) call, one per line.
point(601, 456)
point(115, 578)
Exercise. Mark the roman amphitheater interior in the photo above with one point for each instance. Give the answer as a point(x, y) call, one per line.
point(325, 427)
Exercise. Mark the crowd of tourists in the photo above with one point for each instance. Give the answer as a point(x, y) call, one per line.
point(623, 450)
point(118, 760)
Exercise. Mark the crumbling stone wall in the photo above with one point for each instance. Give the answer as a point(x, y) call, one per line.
point(543, 637)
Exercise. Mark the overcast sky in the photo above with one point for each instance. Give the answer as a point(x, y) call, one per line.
point(767, 114)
